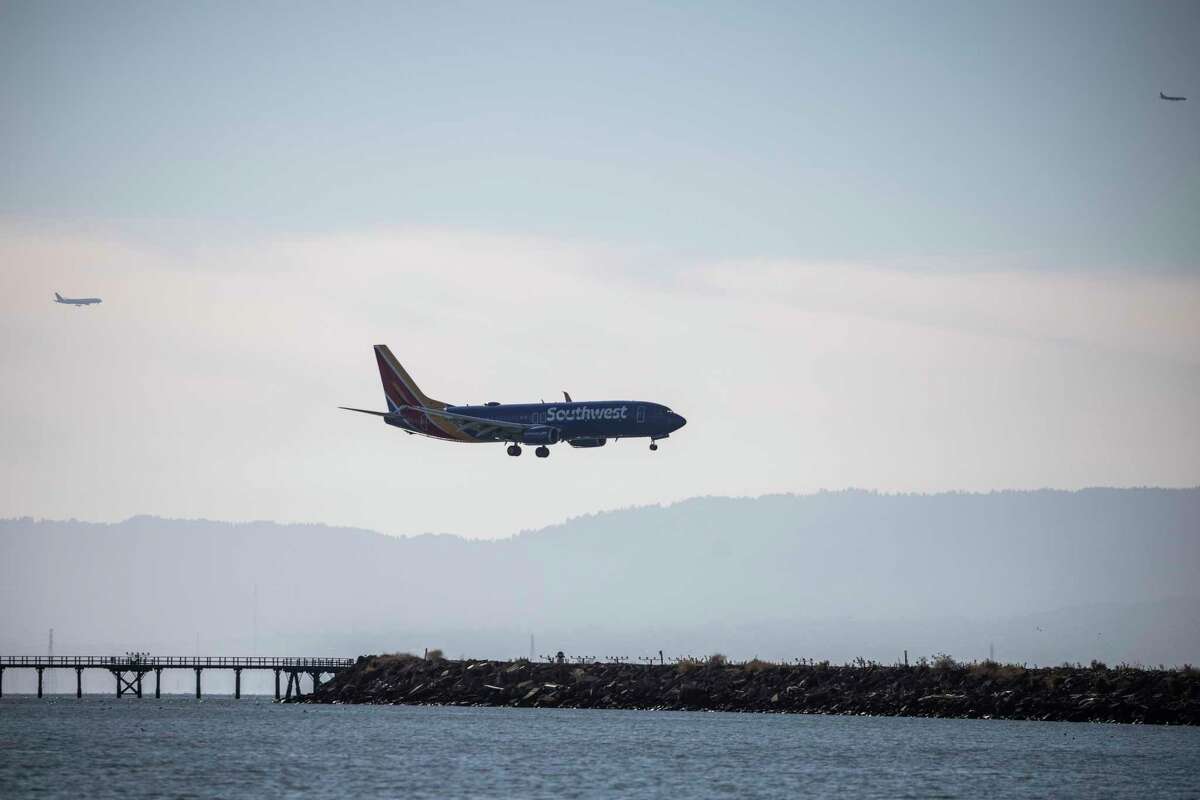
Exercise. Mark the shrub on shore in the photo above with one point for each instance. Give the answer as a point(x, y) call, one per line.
point(944, 662)
point(385, 660)
point(993, 670)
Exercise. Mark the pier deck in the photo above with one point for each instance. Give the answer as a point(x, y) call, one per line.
point(128, 670)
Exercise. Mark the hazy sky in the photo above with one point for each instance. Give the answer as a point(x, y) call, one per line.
point(901, 246)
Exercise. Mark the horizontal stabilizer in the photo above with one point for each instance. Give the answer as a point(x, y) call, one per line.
point(365, 411)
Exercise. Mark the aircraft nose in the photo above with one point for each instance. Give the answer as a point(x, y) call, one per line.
point(677, 421)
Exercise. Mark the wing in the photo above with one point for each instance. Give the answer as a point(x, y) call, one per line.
point(478, 428)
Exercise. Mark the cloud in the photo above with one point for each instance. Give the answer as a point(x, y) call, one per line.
point(206, 385)
point(1151, 315)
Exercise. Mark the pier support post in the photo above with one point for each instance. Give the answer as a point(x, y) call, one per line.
point(131, 685)
point(40, 671)
point(316, 679)
point(79, 682)
point(197, 683)
point(2, 683)
point(237, 684)
point(277, 683)
point(157, 682)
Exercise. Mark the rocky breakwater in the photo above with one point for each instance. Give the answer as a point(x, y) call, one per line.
point(941, 689)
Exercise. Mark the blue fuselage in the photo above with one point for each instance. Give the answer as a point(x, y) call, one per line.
point(605, 419)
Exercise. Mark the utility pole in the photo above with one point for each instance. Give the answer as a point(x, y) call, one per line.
point(51, 654)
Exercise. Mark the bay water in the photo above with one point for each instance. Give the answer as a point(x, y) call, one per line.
point(102, 747)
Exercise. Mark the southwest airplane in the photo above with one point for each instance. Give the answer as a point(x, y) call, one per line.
point(541, 424)
point(1172, 99)
point(76, 301)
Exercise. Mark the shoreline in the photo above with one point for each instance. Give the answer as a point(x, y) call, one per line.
point(944, 689)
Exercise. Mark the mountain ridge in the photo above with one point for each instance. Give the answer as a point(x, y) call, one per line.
point(620, 510)
point(1107, 573)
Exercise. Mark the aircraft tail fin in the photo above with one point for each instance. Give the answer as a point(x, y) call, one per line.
point(58, 297)
point(398, 386)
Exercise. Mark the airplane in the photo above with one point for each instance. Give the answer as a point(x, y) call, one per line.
point(1168, 97)
point(587, 424)
point(76, 301)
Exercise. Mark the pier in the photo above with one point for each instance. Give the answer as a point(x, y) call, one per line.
point(129, 670)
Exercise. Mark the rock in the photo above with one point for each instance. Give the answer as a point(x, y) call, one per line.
point(692, 694)
point(1010, 692)
point(942, 698)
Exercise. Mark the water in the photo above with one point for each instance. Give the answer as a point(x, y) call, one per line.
point(222, 748)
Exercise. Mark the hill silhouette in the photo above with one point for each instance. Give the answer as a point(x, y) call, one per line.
point(1041, 576)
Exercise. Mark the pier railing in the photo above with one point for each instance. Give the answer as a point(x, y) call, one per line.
point(129, 669)
point(179, 662)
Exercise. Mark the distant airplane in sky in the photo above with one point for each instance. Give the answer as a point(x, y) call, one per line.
point(1168, 97)
point(76, 301)
point(541, 424)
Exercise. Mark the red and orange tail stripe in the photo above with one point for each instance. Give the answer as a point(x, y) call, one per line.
point(401, 390)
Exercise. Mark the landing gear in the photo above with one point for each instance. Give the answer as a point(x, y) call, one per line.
point(514, 449)
point(654, 445)
point(542, 452)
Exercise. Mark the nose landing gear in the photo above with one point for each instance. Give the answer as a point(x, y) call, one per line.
point(542, 452)
point(654, 445)
point(514, 450)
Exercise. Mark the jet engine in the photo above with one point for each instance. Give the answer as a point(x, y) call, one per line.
point(587, 441)
point(540, 434)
